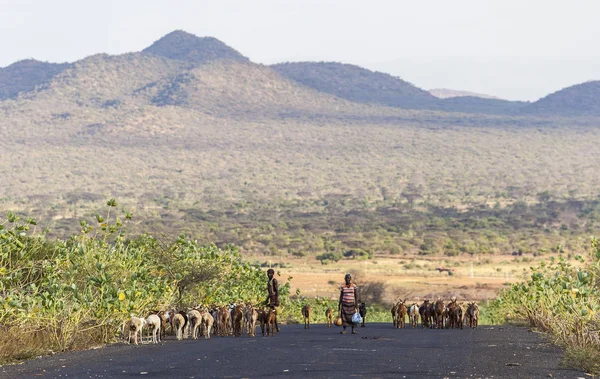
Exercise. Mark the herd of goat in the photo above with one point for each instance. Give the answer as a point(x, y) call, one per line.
point(436, 314)
point(221, 321)
point(238, 319)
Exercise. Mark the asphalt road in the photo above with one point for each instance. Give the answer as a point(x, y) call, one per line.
point(378, 351)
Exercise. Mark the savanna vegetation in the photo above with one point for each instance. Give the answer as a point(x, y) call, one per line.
point(560, 298)
point(231, 153)
point(64, 294)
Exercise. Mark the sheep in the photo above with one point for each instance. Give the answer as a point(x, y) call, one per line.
point(135, 326)
point(329, 316)
point(195, 319)
point(306, 311)
point(154, 323)
point(413, 315)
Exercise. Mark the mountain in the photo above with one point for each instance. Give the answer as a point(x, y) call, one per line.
point(184, 46)
point(473, 104)
point(361, 85)
point(444, 93)
point(25, 75)
point(204, 74)
point(357, 84)
point(578, 100)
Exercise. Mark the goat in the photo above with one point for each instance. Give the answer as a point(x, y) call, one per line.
point(135, 325)
point(413, 315)
point(473, 315)
point(223, 321)
point(178, 324)
point(270, 318)
point(195, 319)
point(454, 314)
point(329, 316)
point(237, 318)
point(207, 324)
point(306, 311)
point(395, 314)
point(438, 312)
point(401, 314)
point(164, 321)
point(250, 316)
point(362, 309)
point(154, 322)
point(262, 319)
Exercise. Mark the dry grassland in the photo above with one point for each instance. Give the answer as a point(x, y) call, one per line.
point(411, 277)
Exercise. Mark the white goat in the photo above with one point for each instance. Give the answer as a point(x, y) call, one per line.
point(135, 325)
point(194, 319)
point(154, 322)
point(207, 324)
point(177, 324)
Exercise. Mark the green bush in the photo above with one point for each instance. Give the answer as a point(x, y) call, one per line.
point(560, 298)
point(96, 280)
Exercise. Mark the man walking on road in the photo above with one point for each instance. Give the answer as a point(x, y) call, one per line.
point(273, 295)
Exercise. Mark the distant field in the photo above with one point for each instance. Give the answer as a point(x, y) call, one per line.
point(412, 277)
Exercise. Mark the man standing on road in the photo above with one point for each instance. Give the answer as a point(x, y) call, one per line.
point(273, 295)
point(348, 304)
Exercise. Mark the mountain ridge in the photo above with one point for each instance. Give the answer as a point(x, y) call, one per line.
point(182, 52)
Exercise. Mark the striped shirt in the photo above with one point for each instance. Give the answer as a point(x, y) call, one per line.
point(348, 293)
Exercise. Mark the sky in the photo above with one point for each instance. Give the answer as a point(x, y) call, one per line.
point(513, 49)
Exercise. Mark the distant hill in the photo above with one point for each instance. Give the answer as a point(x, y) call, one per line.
point(360, 85)
point(444, 93)
point(578, 100)
point(357, 84)
point(188, 47)
point(202, 73)
point(472, 104)
point(25, 75)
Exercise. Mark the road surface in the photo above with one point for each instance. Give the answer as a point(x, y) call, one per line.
point(378, 351)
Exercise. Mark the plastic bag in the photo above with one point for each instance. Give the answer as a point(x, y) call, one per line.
point(356, 319)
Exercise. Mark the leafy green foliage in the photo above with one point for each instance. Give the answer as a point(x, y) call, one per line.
point(561, 298)
point(99, 278)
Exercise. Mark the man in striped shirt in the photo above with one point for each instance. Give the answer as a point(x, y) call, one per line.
point(348, 304)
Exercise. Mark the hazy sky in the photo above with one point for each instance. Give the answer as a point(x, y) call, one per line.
point(515, 49)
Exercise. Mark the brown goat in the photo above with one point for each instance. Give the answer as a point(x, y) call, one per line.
point(329, 316)
point(306, 311)
point(454, 315)
point(270, 317)
point(439, 314)
point(473, 315)
point(237, 320)
point(424, 313)
point(395, 314)
point(401, 313)
point(262, 319)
